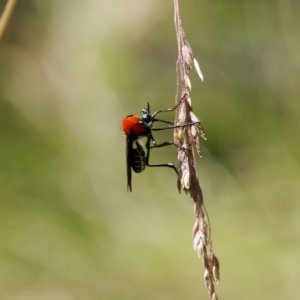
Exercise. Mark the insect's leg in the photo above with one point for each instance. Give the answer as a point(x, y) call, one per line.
point(176, 126)
point(170, 109)
point(163, 121)
point(169, 143)
point(155, 145)
point(169, 165)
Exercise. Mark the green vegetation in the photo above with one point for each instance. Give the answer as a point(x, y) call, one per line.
point(69, 73)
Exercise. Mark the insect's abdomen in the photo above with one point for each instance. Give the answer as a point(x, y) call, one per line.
point(137, 157)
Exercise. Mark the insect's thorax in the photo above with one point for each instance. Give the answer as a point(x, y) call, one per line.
point(132, 124)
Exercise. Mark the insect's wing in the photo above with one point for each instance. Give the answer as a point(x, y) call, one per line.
point(128, 160)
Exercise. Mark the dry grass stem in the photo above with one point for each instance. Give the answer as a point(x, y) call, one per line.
point(9, 7)
point(188, 137)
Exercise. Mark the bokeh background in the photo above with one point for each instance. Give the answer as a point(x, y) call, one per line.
point(69, 72)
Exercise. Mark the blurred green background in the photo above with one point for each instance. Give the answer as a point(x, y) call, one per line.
point(69, 72)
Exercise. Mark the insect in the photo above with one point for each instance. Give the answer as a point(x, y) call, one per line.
point(136, 128)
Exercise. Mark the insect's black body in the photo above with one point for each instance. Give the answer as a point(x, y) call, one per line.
point(137, 159)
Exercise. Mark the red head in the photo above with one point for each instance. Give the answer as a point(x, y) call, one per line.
point(132, 123)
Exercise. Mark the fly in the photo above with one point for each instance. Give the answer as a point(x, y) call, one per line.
point(136, 128)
